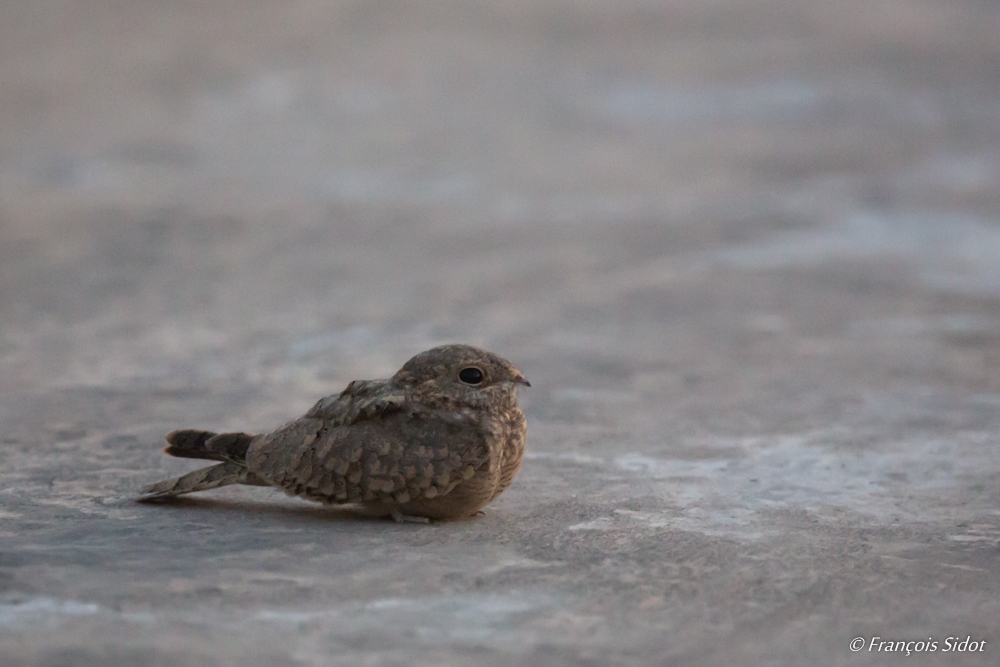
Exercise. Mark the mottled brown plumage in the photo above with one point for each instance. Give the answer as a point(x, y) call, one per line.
point(438, 440)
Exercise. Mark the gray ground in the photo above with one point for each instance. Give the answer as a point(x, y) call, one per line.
point(748, 253)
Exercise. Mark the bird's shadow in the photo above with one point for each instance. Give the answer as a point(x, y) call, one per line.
point(288, 509)
point(292, 509)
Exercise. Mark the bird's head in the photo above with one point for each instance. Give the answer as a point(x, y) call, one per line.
point(461, 375)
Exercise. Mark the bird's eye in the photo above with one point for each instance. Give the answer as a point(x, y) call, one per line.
point(470, 375)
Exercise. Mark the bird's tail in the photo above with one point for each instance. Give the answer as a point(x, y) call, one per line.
point(191, 444)
point(230, 448)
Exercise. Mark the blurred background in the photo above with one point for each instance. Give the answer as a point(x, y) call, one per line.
point(747, 252)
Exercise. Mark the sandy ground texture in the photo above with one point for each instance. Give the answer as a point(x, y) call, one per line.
point(748, 254)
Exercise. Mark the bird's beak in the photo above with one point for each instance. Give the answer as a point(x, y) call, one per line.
point(520, 379)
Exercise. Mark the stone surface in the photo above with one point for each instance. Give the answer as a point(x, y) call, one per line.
point(748, 253)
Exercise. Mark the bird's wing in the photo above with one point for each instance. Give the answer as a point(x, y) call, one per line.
point(361, 400)
point(388, 452)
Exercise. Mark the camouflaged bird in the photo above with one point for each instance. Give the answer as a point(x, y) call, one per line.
point(438, 440)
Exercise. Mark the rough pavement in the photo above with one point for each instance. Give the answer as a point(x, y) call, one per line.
point(748, 254)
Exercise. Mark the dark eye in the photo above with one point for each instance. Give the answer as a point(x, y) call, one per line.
point(470, 375)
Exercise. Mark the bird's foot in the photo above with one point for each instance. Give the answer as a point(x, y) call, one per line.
point(399, 517)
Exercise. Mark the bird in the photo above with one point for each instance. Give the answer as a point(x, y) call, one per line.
point(439, 440)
